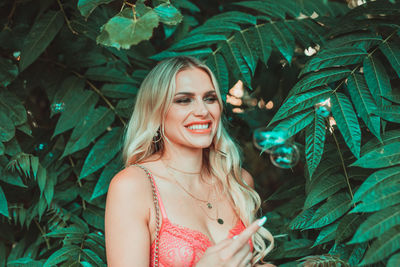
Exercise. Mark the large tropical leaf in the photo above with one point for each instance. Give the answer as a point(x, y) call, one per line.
point(385, 245)
point(260, 41)
point(376, 224)
point(295, 123)
point(376, 180)
point(384, 156)
point(40, 36)
point(347, 122)
point(338, 56)
point(392, 53)
point(327, 234)
point(300, 102)
point(218, 65)
point(379, 198)
point(283, 39)
point(388, 137)
point(336, 206)
point(197, 41)
point(315, 140)
point(347, 226)
point(86, 7)
point(11, 106)
point(364, 103)
point(377, 79)
point(324, 188)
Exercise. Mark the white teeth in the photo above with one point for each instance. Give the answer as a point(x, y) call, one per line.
point(198, 126)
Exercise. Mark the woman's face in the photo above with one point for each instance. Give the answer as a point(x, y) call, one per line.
point(195, 113)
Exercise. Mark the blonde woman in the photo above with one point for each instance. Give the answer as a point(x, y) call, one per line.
point(183, 198)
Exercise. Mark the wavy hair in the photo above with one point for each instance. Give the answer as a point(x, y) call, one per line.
point(222, 158)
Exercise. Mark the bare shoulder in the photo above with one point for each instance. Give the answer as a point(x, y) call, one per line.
point(247, 178)
point(130, 184)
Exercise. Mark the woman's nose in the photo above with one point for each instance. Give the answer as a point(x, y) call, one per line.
point(200, 108)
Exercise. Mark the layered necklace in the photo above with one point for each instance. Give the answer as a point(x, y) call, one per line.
point(207, 203)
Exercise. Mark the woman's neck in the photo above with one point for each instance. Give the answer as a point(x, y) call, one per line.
point(183, 159)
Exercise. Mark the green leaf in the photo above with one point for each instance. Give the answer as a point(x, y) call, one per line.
point(110, 142)
point(61, 255)
point(235, 17)
point(363, 102)
point(347, 122)
point(11, 178)
point(389, 113)
point(394, 261)
point(379, 198)
point(218, 66)
point(108, 173)
point(70, 230)
point(377, 79)
point(7, 129)
point(347, 226)
point(215, 26)
point(8, 72)
point(123, 31)
point(3, 203)
point(376, 224)
point(324, 188)
point(168, 14)
point(49, 188)
point(354, 39)
point(319, 78)
point(392, 53)
point(108, 74)
point(302, 220)
point(357, 254)
point(384, 156)
point(196, 53)
point(86, 7)
point(195, 41)
point(315, 140)
point(12, 107)
point(327, 234)
point(40, 36)
point(260, 41)
point(300, 102)
point(330, 211)
point(41, 179)
point(385, 245)
point(94, 216)
point(185, 4)
point(295, 123)
point(388, 137)
point(119, 90)
point(283, 39)
point(93, 125)
point(338, 56)
point(376, 180)
point(246, 49)
point(233, 57)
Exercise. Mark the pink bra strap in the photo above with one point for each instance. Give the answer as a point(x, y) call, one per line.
point(150, 176)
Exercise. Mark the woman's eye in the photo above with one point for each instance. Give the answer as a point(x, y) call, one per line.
point(182, 100)
point(211, 99)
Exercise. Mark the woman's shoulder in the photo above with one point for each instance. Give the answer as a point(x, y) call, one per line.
point(131, 182)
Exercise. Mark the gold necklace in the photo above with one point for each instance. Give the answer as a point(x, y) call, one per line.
point(208, 203)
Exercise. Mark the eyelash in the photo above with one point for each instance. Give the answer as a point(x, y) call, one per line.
point(212, 99)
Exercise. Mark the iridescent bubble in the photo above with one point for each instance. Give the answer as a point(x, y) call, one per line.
point(264, 139)
point(323, 108)
point(285, 156)
point(58, 107)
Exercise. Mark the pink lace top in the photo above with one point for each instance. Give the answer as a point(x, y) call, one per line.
point(179, 245)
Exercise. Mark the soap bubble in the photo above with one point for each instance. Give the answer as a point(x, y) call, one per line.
point(58, 107)
point(323, 108)
point(264, 139)
point(285, 156)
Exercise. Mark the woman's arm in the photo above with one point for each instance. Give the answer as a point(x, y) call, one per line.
point(126, 219)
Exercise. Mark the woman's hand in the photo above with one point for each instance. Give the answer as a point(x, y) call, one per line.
point(232, 252)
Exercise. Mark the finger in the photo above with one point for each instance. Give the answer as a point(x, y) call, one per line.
point(242, 258)
point(242, 239)
point(244, 236)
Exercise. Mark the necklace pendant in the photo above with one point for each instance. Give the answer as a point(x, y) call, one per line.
point(209, 205)
point(220, 221)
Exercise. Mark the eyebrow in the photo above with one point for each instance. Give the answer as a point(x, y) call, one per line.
point(192, 94)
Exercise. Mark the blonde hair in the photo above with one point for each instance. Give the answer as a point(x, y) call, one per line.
point(222, 158)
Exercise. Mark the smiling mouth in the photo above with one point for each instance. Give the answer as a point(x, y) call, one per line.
point(199, 127)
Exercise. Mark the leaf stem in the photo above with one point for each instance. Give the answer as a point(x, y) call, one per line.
point(342, 161)
point(66, 19)
point(43, 233)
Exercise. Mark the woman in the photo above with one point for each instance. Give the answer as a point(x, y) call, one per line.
point(183, 199)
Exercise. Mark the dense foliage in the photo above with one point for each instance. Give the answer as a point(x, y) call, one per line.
point(69, 73)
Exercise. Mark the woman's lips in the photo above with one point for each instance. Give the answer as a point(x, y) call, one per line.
point(199, 127)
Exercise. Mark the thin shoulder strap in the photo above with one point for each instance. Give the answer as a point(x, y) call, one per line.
point(155, 189)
